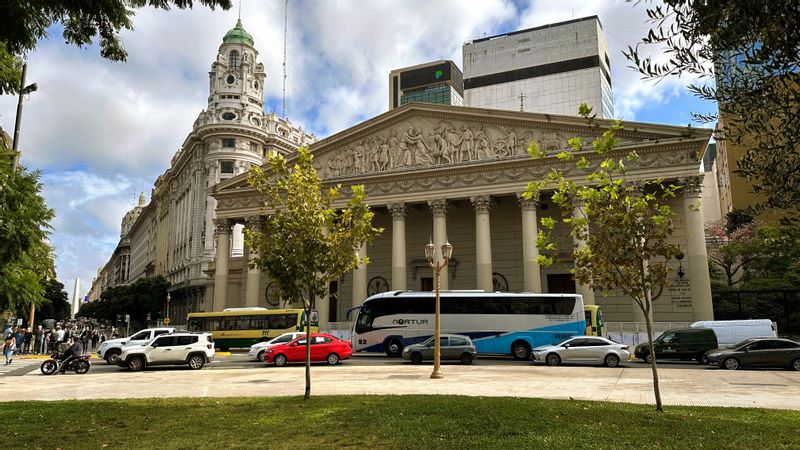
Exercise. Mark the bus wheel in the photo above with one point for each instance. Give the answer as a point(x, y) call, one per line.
point(521, 350)
point(394, 349)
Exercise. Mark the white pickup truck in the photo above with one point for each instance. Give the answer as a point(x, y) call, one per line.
point(111, 349)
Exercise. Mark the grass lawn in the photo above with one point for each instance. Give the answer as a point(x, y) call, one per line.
point(387, 422)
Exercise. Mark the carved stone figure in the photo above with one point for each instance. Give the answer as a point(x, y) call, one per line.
point(468, 144)
point(483, 149)
point(454, 141)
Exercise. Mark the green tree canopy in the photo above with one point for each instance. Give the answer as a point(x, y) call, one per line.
point(625, 224)
point(746, 58)
point(24, 22)
point(140, 298)
point(309, 237)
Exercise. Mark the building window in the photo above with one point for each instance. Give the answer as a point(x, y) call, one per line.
point(226, 166)
point(229, 143)
point(234, 60)
point(254, 147)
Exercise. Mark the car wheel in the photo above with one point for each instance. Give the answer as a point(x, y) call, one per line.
point(611, 360)
point(48, 367)
point(731, 363)
point(702, 359)
point(260, 356)
point(197, 362)
point(333, 359)
point(135, 363)
point(521, 350)
point(416, 358)
point(648, 359)
point(796, 364)
point(553, 359)
point(466, 359)
point(280, 360)
point(82, 366)
point(394, 349)
point(112, 356)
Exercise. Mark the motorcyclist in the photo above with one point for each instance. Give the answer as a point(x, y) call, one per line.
point(74, 351)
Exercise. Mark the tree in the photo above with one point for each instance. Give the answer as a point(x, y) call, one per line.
point(309, 237)
point(138, 299)
point(746, 57)
point(732, 250)
point(24, 23)
point(625, 224)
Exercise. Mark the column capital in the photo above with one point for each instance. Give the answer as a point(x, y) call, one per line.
point(254, 223)
point(398, 210)
point(222, 226)
point(692, 186)
point(438, 207)
point(481, 204)
point(527, 204)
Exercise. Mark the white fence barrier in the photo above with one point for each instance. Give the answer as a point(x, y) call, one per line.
point(634, 333)
point(342, 330)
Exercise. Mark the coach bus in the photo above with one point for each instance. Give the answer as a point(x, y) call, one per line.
point(498, 322)
point(243, 327)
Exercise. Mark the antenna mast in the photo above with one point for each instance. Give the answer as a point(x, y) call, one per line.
point(285, 28)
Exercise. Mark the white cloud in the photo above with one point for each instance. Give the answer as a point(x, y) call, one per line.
point(102, 131)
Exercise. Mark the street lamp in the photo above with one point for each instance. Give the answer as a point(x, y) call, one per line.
point(430, 252)
point(166, 316)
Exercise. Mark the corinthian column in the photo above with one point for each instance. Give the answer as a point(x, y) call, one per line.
point(483, 242)
point(439, 211)
point(398, 211)
point(222, 231)
point(360, 279)
point(699, 280)
point(253, 286)
point(531, 273)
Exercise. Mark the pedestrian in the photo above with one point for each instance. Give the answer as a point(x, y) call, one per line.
point(9, 346)
point(27, 346)
point(39, 340)
point(7, 331)
point(59, 334)
point(85, 338)
point(95, 337)
point(19, 336)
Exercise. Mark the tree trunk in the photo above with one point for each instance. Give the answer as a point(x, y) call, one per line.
point(653, 366)
point(309, 305)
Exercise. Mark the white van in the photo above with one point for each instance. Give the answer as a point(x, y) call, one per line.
point(730, 332)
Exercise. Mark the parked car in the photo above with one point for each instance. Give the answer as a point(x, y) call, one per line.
point(730, 332)
point(683, 344)
point(764, 352)
point(585, 349)
point(256, 352)
point(324, 347)
point(192, 349)
point(111, 349)
point(451, 347)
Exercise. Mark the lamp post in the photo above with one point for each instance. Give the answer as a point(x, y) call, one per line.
point(166, 315)
point(447, 252)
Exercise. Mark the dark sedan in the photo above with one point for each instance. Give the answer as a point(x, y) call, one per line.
point(758, 352)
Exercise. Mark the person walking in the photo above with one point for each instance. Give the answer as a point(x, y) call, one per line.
point(9, 346)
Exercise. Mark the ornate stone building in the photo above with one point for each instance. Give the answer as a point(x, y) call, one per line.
point(455, 173)
point(175, 237)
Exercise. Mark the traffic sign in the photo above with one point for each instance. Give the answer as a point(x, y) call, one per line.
point(166, 320)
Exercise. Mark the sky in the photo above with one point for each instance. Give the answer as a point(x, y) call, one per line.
point(101, 132)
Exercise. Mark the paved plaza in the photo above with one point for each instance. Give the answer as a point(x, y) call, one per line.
point(746, 388)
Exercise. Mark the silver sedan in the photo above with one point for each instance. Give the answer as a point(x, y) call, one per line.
point(583, 349)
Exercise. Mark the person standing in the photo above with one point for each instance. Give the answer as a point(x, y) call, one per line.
point(27, 346)
point(39, 340)
point(9, 346)
point(18, 339)
point(59, 334)
point(95, 338)
point(8, 331)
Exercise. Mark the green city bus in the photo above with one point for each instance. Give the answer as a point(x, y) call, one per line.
point(243, 327)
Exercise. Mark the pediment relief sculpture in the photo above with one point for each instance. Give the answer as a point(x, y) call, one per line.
point(423, 143)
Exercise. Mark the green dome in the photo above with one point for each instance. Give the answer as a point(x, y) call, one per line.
point(237, 35)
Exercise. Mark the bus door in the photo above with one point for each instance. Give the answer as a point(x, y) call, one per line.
point(594, 320)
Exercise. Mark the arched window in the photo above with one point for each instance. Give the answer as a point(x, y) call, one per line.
point(233, 60)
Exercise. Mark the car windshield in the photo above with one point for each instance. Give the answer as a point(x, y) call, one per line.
point(281, 339)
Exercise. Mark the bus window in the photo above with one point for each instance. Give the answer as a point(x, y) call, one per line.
point(243, 323)
point(258, 323)
point(227, 323)
point(282, 321)
point(196, 324)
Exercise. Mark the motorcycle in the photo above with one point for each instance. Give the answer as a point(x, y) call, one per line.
point(53, 364)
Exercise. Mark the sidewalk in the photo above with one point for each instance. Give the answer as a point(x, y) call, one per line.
point(764, 389)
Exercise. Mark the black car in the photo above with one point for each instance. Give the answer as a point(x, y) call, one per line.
point(757, 352)
point(684, 344)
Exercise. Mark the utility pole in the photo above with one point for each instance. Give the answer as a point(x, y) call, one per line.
point(22, 91)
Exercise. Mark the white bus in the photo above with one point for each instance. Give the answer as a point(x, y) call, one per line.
point(498, 322)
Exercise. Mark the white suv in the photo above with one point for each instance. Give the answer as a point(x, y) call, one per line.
point(111, 349)
point(256, 352)
point(192, 349)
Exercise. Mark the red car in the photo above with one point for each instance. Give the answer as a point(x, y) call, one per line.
point(324, 347)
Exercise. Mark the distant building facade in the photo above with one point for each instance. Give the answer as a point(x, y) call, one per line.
point(549, 69)
point(173, 235)
point(439, 82)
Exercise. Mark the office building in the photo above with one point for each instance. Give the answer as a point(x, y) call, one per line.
point(438, 82)
point(548, 69)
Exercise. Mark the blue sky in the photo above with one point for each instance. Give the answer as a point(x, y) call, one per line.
point(101, 132)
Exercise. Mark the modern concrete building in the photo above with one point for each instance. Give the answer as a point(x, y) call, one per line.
point(455, 173)
point(548, 69)
point(434, 82)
